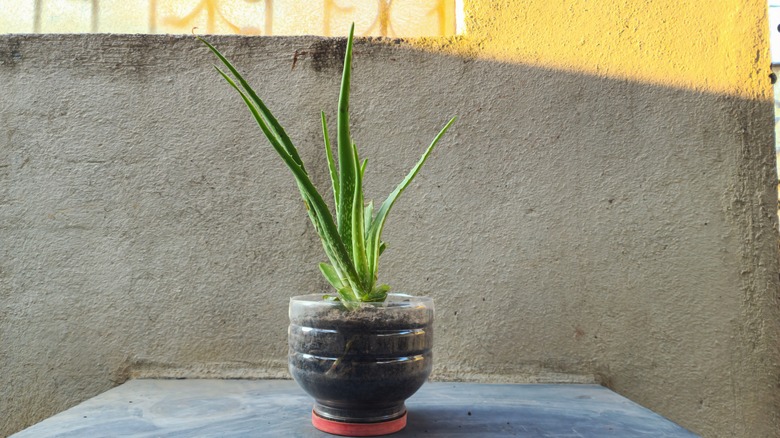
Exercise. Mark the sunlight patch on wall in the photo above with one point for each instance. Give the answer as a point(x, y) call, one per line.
point(390, 18)
point(705, 46)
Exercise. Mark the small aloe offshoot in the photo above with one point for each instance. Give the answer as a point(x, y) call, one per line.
point(353, 239)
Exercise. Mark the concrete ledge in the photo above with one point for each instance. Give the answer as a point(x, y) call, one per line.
point(278, 408)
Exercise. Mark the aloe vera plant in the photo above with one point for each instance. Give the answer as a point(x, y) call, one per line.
point(353, 239)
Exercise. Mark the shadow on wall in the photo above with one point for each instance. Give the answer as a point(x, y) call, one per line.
point(567, 226)
point(776, 89)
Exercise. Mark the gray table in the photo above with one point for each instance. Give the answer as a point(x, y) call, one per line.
point(278, 408)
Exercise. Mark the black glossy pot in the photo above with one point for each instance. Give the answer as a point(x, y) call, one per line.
point(360, 365)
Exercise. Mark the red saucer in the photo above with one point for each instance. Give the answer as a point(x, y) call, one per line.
point(358, 429)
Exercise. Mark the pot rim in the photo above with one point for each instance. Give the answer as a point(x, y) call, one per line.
point(393, 300)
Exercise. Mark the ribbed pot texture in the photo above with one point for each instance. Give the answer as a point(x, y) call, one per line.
point(360, 365)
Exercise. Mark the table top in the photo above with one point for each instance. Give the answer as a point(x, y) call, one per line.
point(279, 408)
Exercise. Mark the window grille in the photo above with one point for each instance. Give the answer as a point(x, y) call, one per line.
point(390, 18)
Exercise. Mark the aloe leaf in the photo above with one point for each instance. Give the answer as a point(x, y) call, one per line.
point(325, 245)
point(334, 175)
point(348, 297)
point(368, 219)
point(274, 131)
point(330, 274)
point(274, 125)
point(368, 216)
point(347, 162)
point(279, 134)
point(379, 294)
point(375, 231)
point(358, 230)
point(325, 224)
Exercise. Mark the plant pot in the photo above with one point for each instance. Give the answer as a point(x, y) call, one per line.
point(360, 365)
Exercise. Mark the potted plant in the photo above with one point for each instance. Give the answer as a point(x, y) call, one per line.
point(360, 351)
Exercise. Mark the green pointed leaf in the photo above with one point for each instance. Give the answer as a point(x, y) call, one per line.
point(368, 219)
point(347, 162)
point(349, 298)
point(274, 127)
point(321, 216)
point(375, 232)
point(330, 274)
point(277, 136)
point(368, 216)
point(379, 294)
point(363, 165)
point(334, 175)
point(358, 230)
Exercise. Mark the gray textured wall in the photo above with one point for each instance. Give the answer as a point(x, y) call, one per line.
point(570, 228)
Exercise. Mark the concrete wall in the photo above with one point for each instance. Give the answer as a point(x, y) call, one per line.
point(604, 209)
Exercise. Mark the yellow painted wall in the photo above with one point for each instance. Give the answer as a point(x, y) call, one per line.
point(717, 46)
